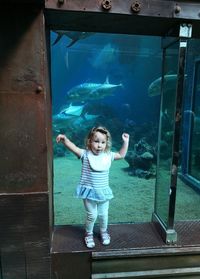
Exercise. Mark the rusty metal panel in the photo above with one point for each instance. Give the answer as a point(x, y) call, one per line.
point(24, 199)
point(91, 16)
point(23, 101)
point(37, 236)
point(156, 8)
point(142, 17)
point(21, 51)
point(23, 165)
point(24, 236)
point(13, 262)
point(150, 7)
point(23, 2)
point(11, 237)
point(69, 252)
point(12, 220)
point(71, 265)
point(0, 267)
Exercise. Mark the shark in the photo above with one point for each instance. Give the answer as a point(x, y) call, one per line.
point(105, 57)
point(195, 120)
point(154, 88)
point(85, 121)
point(170, 82)
point(92, 91)
point(74, 36)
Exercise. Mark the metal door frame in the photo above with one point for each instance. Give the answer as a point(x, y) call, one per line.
point(168, 232)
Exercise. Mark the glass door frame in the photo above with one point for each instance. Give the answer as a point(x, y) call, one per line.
point(166, 229)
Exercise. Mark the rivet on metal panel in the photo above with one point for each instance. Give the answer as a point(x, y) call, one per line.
point(106, 4)
point(38, 89)
point(177, 9)
point(136, 7)
point(61, 2)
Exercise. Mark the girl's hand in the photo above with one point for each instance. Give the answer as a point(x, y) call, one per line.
point(61, 138)
point(125, 137)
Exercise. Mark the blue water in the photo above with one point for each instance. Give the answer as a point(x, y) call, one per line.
point(79, 74)
point(133, 61)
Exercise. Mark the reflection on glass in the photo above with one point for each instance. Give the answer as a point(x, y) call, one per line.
point(195, 137)
point(111, 80)
point(163, 179)
point(187, 203)
point(187, 199)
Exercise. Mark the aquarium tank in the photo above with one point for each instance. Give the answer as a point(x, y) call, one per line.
point(112, 80)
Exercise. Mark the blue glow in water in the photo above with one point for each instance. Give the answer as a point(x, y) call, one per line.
point(104, 79)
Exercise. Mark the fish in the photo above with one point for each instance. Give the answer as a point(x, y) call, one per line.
point(74, 36)
point(105, 57)
point(86, 120)
point(154, 88)
point(89, 117)
point(66, 114)
point(92, 91)
point(72, 110)
point(60, 121)
point(170, 82)
point(194, 119)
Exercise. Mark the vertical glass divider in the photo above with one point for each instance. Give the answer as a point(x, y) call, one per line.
point(164, 224)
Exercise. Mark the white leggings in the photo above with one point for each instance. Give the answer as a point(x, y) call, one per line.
point(94, 209)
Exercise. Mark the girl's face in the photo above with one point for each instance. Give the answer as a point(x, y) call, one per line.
point(98, 143)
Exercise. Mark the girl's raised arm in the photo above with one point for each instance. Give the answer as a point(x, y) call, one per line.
point(69, 145)
point(122, 152)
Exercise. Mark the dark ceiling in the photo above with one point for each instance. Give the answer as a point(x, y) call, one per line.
point(154, 17)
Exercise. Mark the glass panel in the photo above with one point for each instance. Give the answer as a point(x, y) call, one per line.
point(187, 198)
point(195, 137)
point(163, 179)
point(127, 69)
point(187, 202)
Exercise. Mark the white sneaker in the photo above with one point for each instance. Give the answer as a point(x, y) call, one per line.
point(89, 241)
point(105, 238)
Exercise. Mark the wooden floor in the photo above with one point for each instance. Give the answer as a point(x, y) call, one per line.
point(69, 238)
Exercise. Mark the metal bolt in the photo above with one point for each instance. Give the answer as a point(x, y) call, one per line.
point(61, 2)
point(106, 4)
point(177, 9)
point(38, 89)
point(136, 7)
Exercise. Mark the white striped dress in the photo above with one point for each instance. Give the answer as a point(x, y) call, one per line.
point(94, 185)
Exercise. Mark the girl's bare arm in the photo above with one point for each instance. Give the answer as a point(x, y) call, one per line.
point(122, 152)
point(69, 145)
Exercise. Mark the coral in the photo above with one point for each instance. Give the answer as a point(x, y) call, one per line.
point(141, 160)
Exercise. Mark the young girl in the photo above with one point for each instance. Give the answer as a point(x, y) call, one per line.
point(93, 187)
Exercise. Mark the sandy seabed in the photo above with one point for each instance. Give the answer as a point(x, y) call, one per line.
point(133, 197)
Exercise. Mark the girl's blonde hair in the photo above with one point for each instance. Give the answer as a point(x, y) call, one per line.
point(102, 130)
